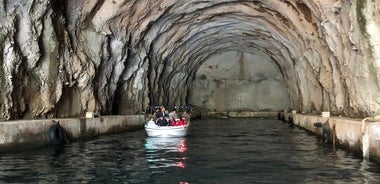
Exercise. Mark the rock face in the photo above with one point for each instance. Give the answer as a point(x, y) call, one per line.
point(63, 58)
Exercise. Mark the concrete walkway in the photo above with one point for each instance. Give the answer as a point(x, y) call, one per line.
point(25, 134)
point(355, 135)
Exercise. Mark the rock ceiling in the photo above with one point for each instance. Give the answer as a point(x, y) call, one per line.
point(63, 58)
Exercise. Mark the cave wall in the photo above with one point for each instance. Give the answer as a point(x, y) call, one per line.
point(61, 58)
point(237, 81)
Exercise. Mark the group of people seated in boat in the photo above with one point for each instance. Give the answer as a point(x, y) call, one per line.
point(162, 117)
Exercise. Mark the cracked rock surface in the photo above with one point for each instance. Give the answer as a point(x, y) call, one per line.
point(64, 58)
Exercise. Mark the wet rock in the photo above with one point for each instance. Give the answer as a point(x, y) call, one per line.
point(64, 58)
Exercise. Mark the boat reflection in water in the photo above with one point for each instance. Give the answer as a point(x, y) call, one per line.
point(166, 151)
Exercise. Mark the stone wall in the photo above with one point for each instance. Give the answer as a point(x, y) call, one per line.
point(62, 58)
point(237, 81)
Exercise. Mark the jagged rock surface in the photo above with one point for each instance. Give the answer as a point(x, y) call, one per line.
point(63, 58)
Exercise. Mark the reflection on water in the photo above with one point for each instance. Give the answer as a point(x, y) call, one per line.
point(165, 152)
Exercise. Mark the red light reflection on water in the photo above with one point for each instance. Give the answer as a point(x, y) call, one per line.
point(176, 146)
point(181, 164)
point(183, 147)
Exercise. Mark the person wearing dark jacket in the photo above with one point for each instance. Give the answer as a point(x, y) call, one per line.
point(162, 122)
point(163, 113)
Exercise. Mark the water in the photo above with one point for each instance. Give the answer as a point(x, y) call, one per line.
point(216, 151)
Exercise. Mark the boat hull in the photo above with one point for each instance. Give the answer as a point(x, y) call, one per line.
point(167, 131)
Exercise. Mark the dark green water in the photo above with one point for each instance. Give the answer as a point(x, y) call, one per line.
point(216, 151)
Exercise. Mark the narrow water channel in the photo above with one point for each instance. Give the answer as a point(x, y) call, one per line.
point(216, 151)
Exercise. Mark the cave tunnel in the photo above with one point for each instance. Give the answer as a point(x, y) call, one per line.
point(117, 57)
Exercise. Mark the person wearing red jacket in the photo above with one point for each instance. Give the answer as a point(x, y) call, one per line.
point(182, 122)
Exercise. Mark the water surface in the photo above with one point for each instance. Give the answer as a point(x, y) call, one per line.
point(216, 151)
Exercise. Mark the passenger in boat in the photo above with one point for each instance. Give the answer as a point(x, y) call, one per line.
point(155, 113)
point(172, 121)
point(173, 114)
point(181, 122)
point(151, 122)
point(162, 122)
point(163, 113)
point(186, 115)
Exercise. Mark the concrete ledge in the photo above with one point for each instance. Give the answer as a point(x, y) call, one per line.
point(24, 134)
point(348, 133)
point(307, 122)
point(374, 143)
point(241, 114)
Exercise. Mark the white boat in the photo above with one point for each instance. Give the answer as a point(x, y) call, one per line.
point(167, 131)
